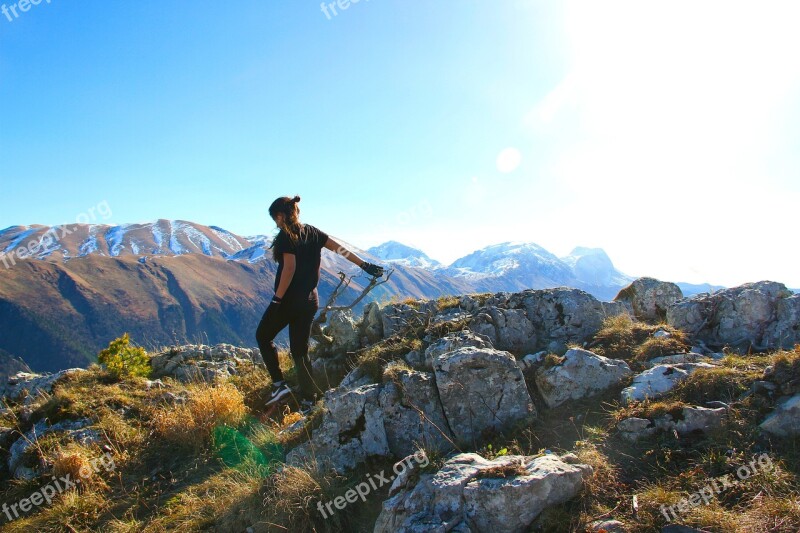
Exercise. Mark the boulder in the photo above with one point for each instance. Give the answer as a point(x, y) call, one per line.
point(352, 430)
point(650, 298)
point(658, 381)
point(482, 390)
point(784, 421)
point(371, 327)
point(784, 332)
point(563, 316)
point(581, 374)
point(756, 316)
point(412, 414)
point(342, 330)
point(508, 329)
point(470, 493)
point(454, 341)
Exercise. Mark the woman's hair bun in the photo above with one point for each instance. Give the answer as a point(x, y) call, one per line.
point(296, 199)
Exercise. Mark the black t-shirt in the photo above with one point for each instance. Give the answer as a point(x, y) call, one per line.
point(307, 253)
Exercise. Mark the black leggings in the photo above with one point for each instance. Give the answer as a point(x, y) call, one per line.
point(298, 315)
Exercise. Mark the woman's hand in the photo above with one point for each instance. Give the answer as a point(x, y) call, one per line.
point(373, 270)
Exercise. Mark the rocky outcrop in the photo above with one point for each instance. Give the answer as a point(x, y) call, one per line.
point(27, 387)
point(199, 362)
point(557, 317)
point(689, 420)
point(470, 493)
point(352, 430)
point(658, 381)
point(649, 298)
point(785, 420)
point(472, 390)
point(371, 326)
point(508, 328)
point(756, 316)
point(482, 390)
point(454, 341)
point(412, 414)
point(580, 374)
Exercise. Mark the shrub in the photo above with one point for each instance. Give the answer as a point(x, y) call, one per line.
point(123, 360)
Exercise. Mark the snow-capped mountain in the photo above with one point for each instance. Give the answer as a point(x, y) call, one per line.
point(398, 253)
point(592, 266)
point(158, 238)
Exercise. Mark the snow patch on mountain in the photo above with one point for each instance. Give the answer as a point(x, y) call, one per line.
point(27, 232)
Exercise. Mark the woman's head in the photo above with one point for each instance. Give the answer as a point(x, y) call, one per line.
point(286, 214)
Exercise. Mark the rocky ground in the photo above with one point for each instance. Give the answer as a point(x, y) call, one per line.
point(542, 410)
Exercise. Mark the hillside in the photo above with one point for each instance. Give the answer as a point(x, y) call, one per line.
point(622, 422)
point(172, 281)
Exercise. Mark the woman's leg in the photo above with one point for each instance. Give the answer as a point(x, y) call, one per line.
point(273, 321)
point(299, 334)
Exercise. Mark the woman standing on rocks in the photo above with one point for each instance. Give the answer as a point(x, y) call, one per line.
point(297, 249)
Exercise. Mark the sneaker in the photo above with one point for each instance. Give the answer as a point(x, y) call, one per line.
point(280, 390)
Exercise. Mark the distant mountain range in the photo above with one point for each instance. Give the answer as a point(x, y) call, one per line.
point(172, 281)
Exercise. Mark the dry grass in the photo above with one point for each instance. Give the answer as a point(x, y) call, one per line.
point(80, 463)
point(207, 407)
point(448, 302)
point(374, 359)
point(714, 384)
point(622, 337)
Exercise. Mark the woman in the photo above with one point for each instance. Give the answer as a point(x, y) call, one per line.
point(297, 249)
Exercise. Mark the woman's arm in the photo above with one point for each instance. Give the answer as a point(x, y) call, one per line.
point(287, 273)
point(337, 248)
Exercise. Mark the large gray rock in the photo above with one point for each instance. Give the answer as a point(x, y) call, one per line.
point(581, 374)
point(470, 493)
point(759, 315)
point(343, 331)
point(412, 414)
point(454, 341)
point(658, 381)
point(506, 328)
point(784, 332)
point(371, 326)
point(27, 387)
point(352, 430)
point(482, 390)
point(565, 316)
point(650, 298)
point(784, 421)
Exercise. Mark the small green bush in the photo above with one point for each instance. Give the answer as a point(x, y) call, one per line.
point(122, 360)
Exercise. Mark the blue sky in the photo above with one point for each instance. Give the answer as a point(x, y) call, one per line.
point(666, 134)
